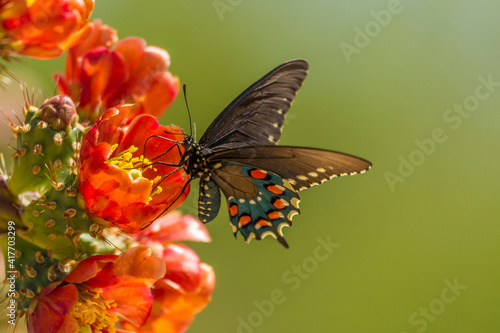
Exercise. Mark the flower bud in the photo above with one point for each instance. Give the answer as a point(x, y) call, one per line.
point(59, 112)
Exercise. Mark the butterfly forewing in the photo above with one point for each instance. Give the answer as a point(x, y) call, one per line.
point(302, 167)
point(256, 116)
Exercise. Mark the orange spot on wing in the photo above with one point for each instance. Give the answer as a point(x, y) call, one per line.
point(263, 223)
point(275, 215)
point(258, 174)
point(279, 204)
point(233, 210)
point(244, 220)
point(276, 189)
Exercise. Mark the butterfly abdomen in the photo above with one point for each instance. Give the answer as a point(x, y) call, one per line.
point(208, 200)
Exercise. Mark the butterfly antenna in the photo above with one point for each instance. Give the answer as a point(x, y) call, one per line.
point(189, 113)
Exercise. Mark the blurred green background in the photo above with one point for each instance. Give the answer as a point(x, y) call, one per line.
point(416, 247)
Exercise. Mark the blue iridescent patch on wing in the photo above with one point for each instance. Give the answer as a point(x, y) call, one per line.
point(267, 213)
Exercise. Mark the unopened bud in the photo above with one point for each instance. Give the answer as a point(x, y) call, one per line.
point(59, 112)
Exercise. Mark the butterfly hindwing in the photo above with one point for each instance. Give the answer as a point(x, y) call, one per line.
point(260, 202)
point(303, 167)
point(256, 116)
point(238, 154)
point(208, 200)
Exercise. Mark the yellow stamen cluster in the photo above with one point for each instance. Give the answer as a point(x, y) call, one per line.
point(91, 310)
point(126, 161)
point(135, 166)
point(157, 189)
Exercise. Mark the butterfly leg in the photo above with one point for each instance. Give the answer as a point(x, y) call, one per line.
point(163, 138)
point(168, 151)
point(176, 145)
point(163, 154)
point(183, 133)
point(176, 165)
point(167, 175)
point(171, 204)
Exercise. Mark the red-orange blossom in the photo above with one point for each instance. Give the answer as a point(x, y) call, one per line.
point(122, 180)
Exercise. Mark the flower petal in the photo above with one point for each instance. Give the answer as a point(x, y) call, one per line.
point(52, 307)
point(88, 268)
point(174, 227)
point(99, 76)
point(127, 281)
point(183, 266)
point(44, 28)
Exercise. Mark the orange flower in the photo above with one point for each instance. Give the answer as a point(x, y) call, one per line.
point(173, 227)
point(173, 307)
point(126, 175)
point(187, 286)
point(99, 77)
point(43, 28)
point(99, 291)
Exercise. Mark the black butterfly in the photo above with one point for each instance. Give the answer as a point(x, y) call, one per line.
point(238, 154)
